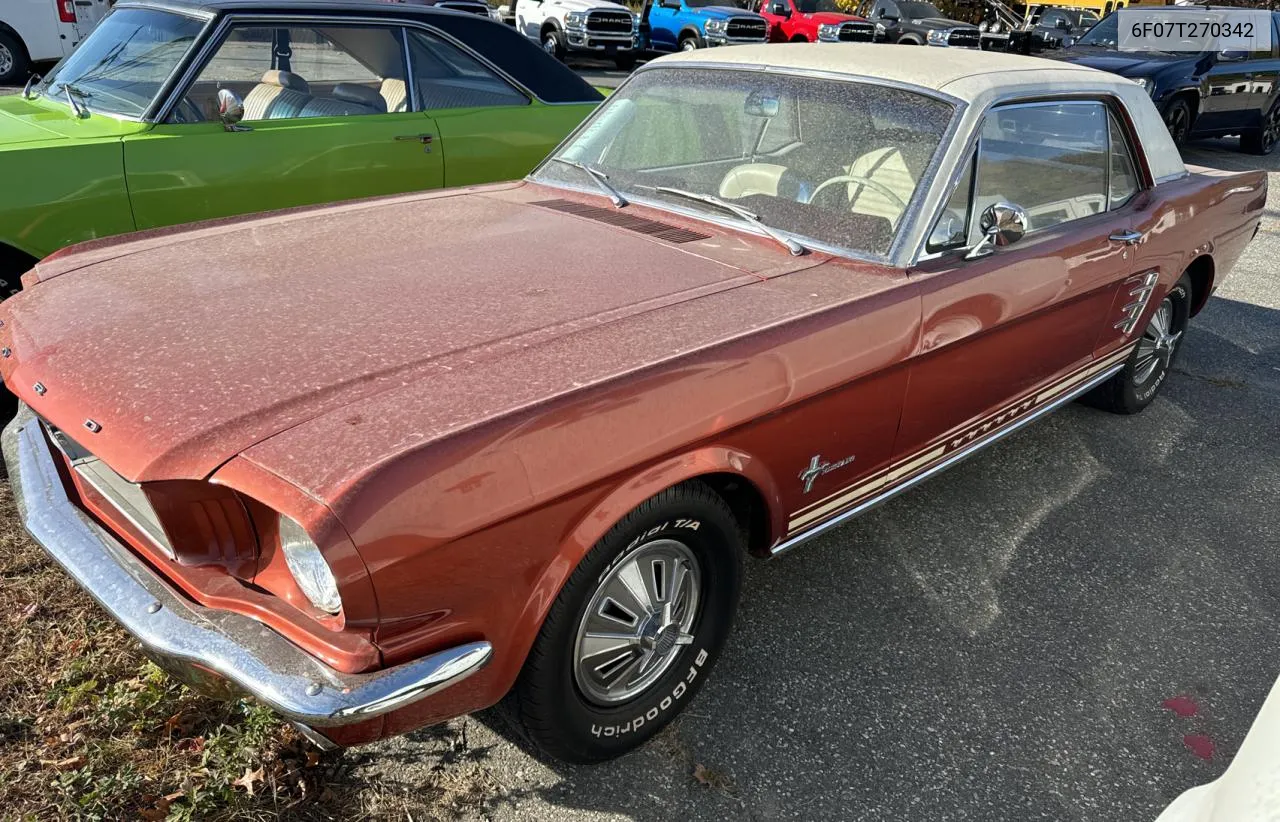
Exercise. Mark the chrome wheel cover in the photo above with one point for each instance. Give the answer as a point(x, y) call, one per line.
point(639, 618)
point(1157, 345)
point(549, 45)
point(6, 59)
point(689, 44)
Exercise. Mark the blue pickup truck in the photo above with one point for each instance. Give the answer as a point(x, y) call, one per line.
point(685, 25)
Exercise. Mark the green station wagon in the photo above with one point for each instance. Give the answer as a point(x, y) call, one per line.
point(180, 110)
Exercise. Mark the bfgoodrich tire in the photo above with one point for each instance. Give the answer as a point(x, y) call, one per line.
point(1137, 385)
point(636, 629)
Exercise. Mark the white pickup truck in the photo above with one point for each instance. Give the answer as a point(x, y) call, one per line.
point(32, 31)
point(604, 29)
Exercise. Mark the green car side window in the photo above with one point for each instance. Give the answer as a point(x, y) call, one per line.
point(300, 71)
point(446, 76)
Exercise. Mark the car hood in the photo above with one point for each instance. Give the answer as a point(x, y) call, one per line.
point(942, 23)
point(188, 346)
point(825, 17)
point(1124, 64)
point(28, 121)
point(724, 12)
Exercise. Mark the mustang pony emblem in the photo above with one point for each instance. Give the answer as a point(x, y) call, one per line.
point(818, 468)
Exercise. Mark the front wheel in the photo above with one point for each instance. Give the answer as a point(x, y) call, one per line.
point(553, 44)
point(635, 630)
point(1177, 118)
point(1263, 140)
point(1136, 386)
point(691, 43)
point(625, 62)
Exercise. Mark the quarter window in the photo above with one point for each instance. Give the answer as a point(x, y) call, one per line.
point(1124, 175)
point(446, 77)
point(297, 71)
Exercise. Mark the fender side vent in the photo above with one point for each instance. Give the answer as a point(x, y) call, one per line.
point(663, 231)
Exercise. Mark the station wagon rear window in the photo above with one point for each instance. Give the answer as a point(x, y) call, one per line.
point(834, 162)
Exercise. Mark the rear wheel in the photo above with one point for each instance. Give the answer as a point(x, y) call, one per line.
point(14, 67)
point(635, 630)
point(1263, 140)
point(1177, 118)
point(1136, 386)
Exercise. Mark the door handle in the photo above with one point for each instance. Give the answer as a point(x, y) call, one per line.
point(425, 139)
point(1127, 237)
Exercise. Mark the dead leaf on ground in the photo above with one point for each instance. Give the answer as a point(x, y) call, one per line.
point(248, 780)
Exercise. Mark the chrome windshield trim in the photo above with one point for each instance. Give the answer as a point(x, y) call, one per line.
point(893, 257)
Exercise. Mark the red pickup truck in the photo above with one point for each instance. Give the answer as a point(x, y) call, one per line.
point(812, 21)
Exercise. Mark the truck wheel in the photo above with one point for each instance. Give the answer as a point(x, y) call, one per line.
point(1177, 118)
point(690, 42)
point(14, 66)
point(635, 630)
point(553, 44)
point(625, 62)
point(1136, 386)
point(909, 41)
point(1263, 140)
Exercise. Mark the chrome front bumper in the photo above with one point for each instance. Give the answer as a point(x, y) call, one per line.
point(207, 648)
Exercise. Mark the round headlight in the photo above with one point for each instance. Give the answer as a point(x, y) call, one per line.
point(308, 567)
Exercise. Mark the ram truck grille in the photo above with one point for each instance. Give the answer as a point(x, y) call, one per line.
point(857, 33)
point(609, 22)
point(746, 28)
point(965, 38)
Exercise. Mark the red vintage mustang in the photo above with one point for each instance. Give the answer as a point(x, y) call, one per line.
point(383, 463)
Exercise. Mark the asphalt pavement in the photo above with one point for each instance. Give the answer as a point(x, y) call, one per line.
point(1008, 641)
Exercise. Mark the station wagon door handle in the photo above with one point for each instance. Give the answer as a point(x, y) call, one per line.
point(425, 139)
point(1127, 237)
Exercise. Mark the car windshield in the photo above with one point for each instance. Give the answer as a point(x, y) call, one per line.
point(828, 162)
point(918, 11)
point(815, 6)
point(120, 68)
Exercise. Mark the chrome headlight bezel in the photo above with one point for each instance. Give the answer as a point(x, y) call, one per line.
point(938, 37)
point(308, 567)
point(715, 26)
point(829, 32)
point(575, 20)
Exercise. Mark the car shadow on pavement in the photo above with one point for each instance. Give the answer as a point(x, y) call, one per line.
point(997, 643)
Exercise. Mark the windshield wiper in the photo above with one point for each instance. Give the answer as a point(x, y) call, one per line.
point(750, 216)
point(31, 81)
point(71, 93)
point(601, 179)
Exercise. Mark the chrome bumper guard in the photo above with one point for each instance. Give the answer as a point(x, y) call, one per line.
point(207, 648)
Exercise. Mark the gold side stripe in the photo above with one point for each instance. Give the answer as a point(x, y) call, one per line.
point(840, 499)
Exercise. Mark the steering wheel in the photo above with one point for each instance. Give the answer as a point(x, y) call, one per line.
point(186, 112)
point(858, 178)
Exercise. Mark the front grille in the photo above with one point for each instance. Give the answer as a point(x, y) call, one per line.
point(126, 497)
point(609, 22)
point(857, 32)
point(474, 8)
point(965, 38)
point(653, 228)
point(746, 28)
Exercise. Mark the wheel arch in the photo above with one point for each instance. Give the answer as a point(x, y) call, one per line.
point(1201, 271)
point(687, 32)
point(550, 24)
point(913, 39)
point(5, 28)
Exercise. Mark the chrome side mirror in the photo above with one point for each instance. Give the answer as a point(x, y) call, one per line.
point(1002, 224)
point(230, 110)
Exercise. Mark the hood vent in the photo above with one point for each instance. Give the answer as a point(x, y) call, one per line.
point(663, 231)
